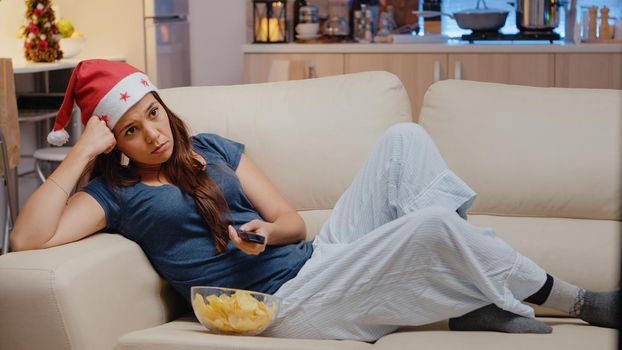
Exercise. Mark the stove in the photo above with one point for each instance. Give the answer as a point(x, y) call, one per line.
point(547, 36)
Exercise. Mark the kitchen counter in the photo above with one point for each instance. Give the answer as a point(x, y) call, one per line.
point(451, 46)
point(21, 66)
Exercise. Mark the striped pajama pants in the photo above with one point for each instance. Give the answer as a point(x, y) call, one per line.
point(397, 251)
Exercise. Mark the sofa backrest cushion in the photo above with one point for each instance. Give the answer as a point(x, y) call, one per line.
point(530, 151)
point(309, 136)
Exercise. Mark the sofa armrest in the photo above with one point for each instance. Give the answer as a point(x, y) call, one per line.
point(82, 295)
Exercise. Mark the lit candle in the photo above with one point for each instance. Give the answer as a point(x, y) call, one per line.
point(269, 30)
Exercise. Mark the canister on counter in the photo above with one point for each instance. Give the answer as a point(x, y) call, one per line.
point(432, 25)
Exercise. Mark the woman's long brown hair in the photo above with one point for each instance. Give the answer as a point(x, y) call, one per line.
point(182, 170)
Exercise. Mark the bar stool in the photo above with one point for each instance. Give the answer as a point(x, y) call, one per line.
point(49, 154)
point(56, 154)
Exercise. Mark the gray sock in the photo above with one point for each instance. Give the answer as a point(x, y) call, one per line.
point(596, 308)
point(492, 318)
point(600, 308)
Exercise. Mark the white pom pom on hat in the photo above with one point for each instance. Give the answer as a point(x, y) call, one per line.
point(101, 88)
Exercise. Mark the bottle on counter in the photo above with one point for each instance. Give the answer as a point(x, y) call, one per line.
point(604, 30)
point(593, 17)
point(355, 6)
point(358, 33)
point(368, 34)
point(374, 7)
point(432, 25)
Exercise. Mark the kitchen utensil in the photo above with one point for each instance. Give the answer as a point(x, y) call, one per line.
point(477, 19)
point(537, 15)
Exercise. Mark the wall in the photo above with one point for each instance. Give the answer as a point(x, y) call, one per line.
point(112, 27)
point(217, 33)
point(11, 17)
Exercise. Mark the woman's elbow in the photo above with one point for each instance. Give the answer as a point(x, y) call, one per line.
point(18, 242)
point(15, 243)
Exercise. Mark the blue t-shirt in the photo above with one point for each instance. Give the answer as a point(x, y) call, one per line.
point(166, 224)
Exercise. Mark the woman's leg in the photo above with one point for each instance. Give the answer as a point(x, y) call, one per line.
point(403, 173)
point(425, 266)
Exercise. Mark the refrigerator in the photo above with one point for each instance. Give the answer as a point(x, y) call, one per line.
point(167, 42)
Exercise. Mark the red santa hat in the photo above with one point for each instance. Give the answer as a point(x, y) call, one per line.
point(101, 88)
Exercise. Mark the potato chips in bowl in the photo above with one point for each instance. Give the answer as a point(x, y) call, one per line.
point(234, 311)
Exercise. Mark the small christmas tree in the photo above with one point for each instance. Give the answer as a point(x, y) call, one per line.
point(41, 43)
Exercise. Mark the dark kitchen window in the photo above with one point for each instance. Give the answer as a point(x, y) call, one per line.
point(450, 28)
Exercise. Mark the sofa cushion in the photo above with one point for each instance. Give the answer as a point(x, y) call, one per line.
point(310, 137)
point(531, 151)
point(568, 334)
point(187, 333)
point(314, 220)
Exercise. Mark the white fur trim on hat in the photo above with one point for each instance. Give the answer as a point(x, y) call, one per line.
point(122, 97)
point(58, 137)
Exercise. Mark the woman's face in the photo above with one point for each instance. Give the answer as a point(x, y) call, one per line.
point(144, 134)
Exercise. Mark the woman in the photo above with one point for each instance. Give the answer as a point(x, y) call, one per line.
point(395, 251)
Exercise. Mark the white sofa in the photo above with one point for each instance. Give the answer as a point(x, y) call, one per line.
point(545, 162)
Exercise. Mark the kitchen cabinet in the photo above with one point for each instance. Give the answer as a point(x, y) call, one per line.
point(257, 66)
point(416, 71)
point(543, 67)
point(589, 70)
point(533, 69)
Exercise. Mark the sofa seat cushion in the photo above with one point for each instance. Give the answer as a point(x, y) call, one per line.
point(187, 333)
point(568, 334)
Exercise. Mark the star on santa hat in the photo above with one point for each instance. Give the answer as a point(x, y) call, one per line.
point(104, 117)
point(124, 96)
point(144, 82)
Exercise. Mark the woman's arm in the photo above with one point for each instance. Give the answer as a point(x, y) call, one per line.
point(286, 224)
point(49, 217)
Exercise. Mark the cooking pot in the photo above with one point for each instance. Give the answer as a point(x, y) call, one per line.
point(477, 19)
point(537, 14)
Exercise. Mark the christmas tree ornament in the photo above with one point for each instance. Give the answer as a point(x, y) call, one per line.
point(40, 32)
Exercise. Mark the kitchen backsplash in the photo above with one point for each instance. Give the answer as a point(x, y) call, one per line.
point(448, 26)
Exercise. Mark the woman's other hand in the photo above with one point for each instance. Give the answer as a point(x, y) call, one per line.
point(96, 138)
point(256, 226)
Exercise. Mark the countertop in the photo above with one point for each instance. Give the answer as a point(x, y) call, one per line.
point(451, 46)
point(21, 66)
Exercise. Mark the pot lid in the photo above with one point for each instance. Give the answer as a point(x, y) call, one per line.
point(482, 10)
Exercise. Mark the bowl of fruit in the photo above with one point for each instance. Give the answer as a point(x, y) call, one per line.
point(72, 41)
point(234, 311)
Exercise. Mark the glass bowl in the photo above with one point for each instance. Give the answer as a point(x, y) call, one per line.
point(234, 311)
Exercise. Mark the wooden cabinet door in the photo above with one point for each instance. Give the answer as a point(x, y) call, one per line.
point(588, 70)
point(258, 65)
point(416, 71)
point(516, 68)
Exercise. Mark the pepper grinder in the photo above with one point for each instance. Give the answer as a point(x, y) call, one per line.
point(604, 31)
point(593, 13)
